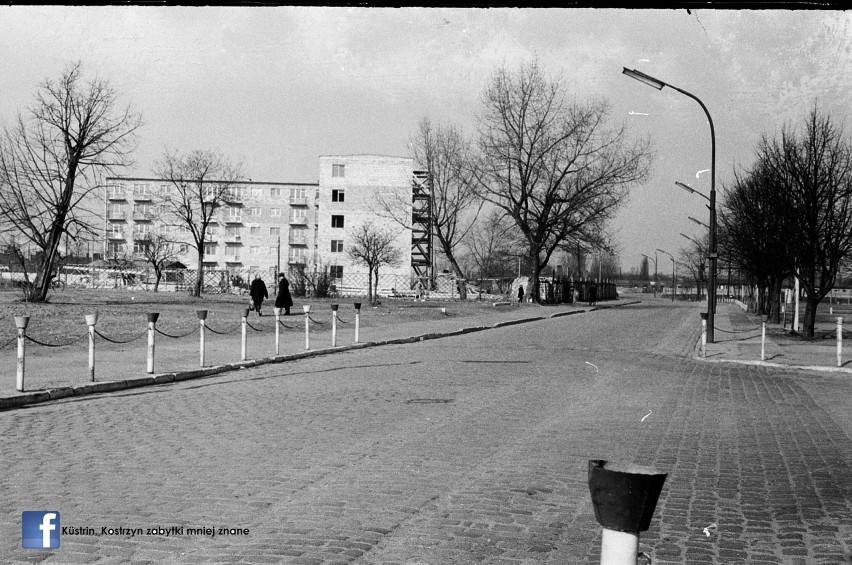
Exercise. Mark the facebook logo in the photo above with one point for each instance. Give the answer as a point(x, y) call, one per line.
point(40, 529)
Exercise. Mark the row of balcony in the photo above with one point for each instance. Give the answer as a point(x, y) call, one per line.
point(150, 216)
point(229, 239)
point(148, 195)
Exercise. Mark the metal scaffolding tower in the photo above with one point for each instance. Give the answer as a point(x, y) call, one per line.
point(421, 226)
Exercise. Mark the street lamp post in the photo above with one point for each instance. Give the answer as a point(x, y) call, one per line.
point(674, 272)
point(712, 255)
point(655, 271)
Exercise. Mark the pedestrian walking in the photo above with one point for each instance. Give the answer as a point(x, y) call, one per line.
point(258, 293)
point(520, 293)
point(593, 294)
point(283, 300)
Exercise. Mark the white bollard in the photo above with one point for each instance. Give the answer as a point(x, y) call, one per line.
point(357, 320)
point(243, 338)
point(839, 342)
point(21, 323)
point(763, 342)
point(91, 320)
point(202, 323)
point(152, 326)
point(277, 312)
point(334, 325)
point(307, 309)
point(703, 335)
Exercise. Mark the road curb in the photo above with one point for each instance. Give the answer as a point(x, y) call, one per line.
point(99, 387)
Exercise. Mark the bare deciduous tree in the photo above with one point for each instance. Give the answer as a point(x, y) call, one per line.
point(158, 250)
point(444, 153)
point(552, 165)
point(374, 247)
point(52, 158)
point(813, 170)
point(694, 258)
point(493, 245)
point(755, 231)
point(200, 183)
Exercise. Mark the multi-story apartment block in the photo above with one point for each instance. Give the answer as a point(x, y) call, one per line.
point(266, 226)
point(351, 189)
point(258, 227)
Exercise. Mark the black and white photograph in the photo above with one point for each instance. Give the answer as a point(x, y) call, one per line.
point(374, 285)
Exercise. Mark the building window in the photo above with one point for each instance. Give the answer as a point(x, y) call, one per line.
point(297, 254)
point(254, 211)
point(275, 212)
point(235, 213)
point(254, 250)
point(298, 236)
point(116, 248)
point(337, 195)
point(233, 231)
point(141, 247)
point(336, 245)
point(275, 192)
point(254, 230)
point(210, 248)
point(275, 231)
point(337, 171)
point(336, 271)
point(337, 221)
point(116, 230)
point(273, 251)
point(256, 191)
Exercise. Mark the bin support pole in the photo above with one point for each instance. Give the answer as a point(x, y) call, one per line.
point(202, 324)
point(618, 548)
point(704, 338)
point(152, 326)
point(763, 341)
point(243, 337)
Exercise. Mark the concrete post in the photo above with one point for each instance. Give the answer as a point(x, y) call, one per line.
point(704, 334)
point(839, 342)
point(91, 320)
point(357, 319)
point(202, 317)
point(307, 309)
point(334, 325)
point(277, 312)
point(763, 341)
point(152, 326)
point(243, 325)
point(21, 323)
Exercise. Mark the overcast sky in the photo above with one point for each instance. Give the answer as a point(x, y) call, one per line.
point(274, 88)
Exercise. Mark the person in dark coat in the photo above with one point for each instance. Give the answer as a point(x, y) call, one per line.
point(283, 300)
point(593, 294)
point(258, 293)
point(520, 293)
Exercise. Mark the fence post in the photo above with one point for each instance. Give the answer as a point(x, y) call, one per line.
point(202, 317)
point(839, 342)
point(357, 319)
point(307, 309)
point(152, 323)
point(21, 323)
point(763, 341)
point(91, 320)
point(704, 334)
point(277, 312)
point(243, 338)
point(334, 325)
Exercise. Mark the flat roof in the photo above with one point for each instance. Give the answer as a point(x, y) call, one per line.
point(218, 181)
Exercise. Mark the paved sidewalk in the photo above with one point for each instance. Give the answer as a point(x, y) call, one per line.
point(54, 373)
point(738, 340)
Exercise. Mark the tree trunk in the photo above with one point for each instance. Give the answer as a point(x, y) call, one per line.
point(775, 301)
point(535, 261)
point(459, 276)
point(199, 280)
point(809, 321)
point(370, 284)
point(157, 275)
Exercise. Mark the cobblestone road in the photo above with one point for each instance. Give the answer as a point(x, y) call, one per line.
point(471, 449)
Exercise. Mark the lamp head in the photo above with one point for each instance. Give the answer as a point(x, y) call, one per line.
point(643, 78)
